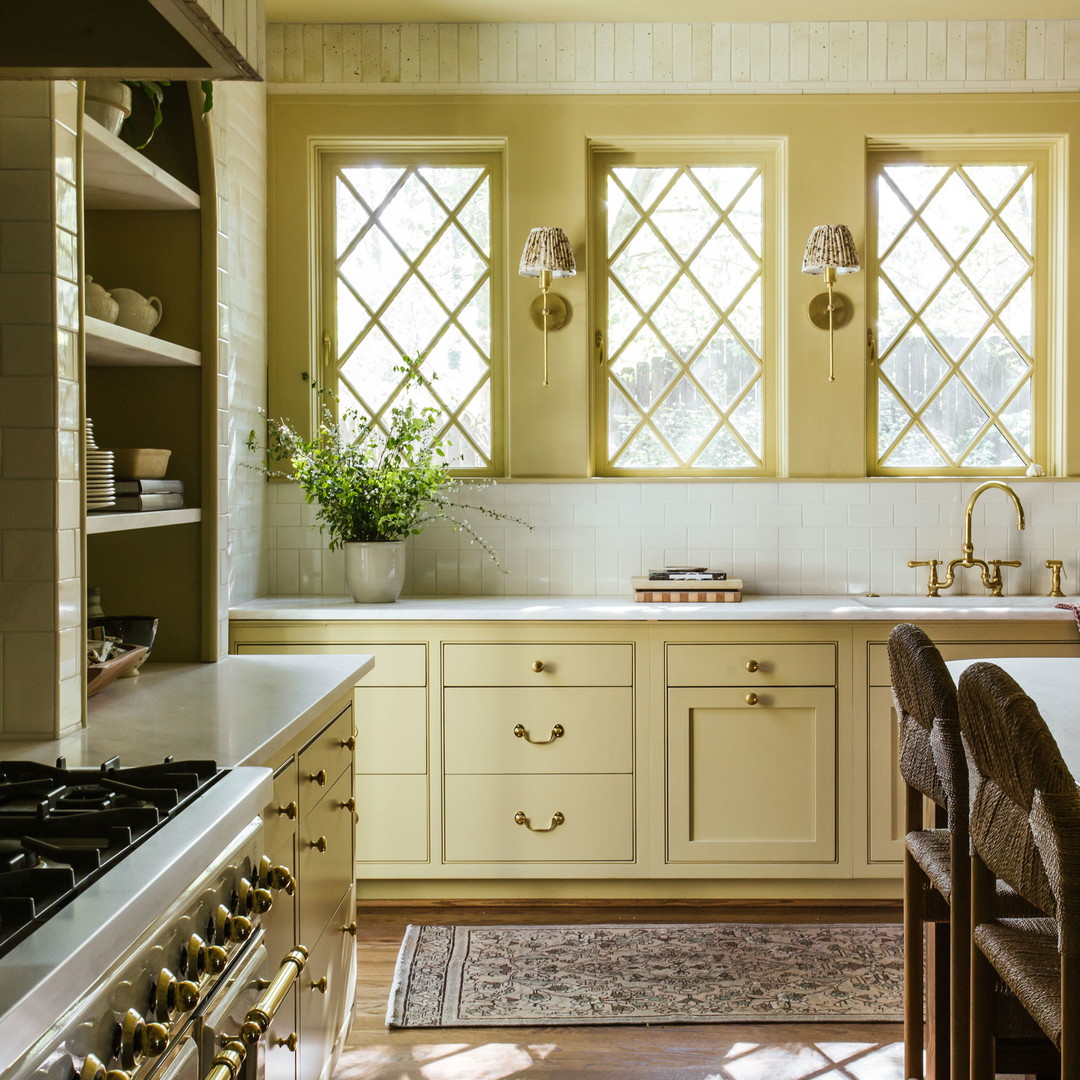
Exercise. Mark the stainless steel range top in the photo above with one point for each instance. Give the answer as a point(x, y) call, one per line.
point(163, 889)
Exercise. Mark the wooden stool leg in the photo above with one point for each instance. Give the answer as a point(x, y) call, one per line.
point(1070, 1018)
point(938, 994)
point(914, 895)
point(960, 968)
point(982, 978)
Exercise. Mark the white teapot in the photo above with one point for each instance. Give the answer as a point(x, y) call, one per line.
point(137, 312)
point(99, 303)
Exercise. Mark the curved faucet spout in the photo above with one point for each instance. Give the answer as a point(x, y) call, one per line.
point(968, 549)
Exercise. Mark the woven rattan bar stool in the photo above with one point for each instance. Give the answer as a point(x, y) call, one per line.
point(935, 860)
point(1025, 830)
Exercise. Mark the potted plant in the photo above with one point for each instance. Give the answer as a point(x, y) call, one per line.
point(376, 485)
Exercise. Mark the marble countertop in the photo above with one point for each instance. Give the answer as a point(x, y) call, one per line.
point(240, 711)
point(853, 608)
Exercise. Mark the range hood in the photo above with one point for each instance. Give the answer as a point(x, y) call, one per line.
point(138, 39)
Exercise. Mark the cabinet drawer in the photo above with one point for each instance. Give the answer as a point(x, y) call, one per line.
point(562, 664)
point(970, 650)
point(324, 873)
point(279, 818)
point(391, 819)
point(325, 758)
point(479, 729)
point(598, 813)
point(752, 664)
point(391, 729)
point(395, 665)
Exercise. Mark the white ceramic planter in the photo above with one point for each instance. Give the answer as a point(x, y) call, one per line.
point(108, 101)
point(375, 571)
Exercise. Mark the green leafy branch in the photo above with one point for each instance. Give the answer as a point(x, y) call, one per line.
point(155, 91)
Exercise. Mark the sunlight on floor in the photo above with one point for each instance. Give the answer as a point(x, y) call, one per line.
point(739, 1061)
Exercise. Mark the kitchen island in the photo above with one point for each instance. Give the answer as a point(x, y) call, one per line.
point(592, 746)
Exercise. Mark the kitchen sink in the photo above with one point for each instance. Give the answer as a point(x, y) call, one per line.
point(963, 603)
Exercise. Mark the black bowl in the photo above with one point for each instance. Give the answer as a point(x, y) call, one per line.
point(130, 629)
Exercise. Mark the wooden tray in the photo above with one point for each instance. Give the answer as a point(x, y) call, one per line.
point(98, 676)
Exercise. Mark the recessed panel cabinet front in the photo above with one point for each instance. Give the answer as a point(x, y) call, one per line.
point(751, 775)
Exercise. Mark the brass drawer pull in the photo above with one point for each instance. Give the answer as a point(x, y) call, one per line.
point(349, 743)
point(350, 805)
point(320, 985)
point(289, 1042)
point(350, 929)
point(751, 699)
point(261, 1014)
point(538, 665)
point(556, 820)
point(557, 732)
point(318, 778)
point(319, 845)
point(752, 665)
point(289, 810)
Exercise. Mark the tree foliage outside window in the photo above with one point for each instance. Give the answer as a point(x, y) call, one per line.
point(957, 261)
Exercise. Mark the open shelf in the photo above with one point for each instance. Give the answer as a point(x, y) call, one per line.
point(140, 519)
point(118, 177)
point(109, 345)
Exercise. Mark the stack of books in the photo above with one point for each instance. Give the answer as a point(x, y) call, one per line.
point(687, 584)
point(149, 495)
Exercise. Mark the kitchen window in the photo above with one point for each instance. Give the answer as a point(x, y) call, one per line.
point(411, 245)
point(685, 308)
point(960, 299)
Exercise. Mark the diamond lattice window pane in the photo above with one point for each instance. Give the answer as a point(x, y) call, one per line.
point(644, 185)
point(954, 317)
point(915, 452)
point(747, 215)
point(453, 266)
point(684, 216)
point(684, 417)
point(476, 419)
point(954, 417)
point(724, 267)
point(915, 368)
point(1020, 217)
point(725, 368)
point(995, 181)
point(623, 317)
point(623, 417)
point(370, 372)
point(373, 182)
point(475, 318)
point(352, 318)
point(915, 266)
point(645, 267)
point(475, 220)
point(351, 217)
point(412, 217)
point(414, 317)
point(915, 182)
point(451, 184)
point(892, 316)
point(994, 267)
point(994, 368)
point(892, 418)
point(646, 369)
point(723, 182)
point(954, 215)
point(993, 450)
point(1016, 416)
point(893, 215)
point(646, 451)
point(1018, 317)
point(456, 367)
point(684, 317)
point(746, 419)
point(374, 268)
point(747, 320)
point(724, 452)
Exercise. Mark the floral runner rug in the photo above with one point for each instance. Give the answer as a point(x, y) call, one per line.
point(632, 973)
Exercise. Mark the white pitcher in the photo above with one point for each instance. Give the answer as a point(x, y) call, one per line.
point(100, 303)
point(137, 312)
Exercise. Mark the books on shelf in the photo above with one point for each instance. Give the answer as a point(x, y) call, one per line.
point(164, 500)
point(149, 487)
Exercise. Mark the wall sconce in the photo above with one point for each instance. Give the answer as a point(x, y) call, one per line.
point(830, 251)
point(547, 255)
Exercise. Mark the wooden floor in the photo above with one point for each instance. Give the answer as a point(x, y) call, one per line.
point(671, 1052)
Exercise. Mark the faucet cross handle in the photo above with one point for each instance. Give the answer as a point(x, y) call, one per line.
point(932, 584)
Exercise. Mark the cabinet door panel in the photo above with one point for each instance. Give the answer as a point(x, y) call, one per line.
point(598, 814)
point(751, 664)
point(279, 818)
point(563, 664)
point(751, 783)
point(324, 759)
point(597, 724)
point(885, 788)
point(330, 827)
point(391, 819)
point(391, 729)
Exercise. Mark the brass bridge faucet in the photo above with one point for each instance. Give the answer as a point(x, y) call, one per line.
point(991, 579)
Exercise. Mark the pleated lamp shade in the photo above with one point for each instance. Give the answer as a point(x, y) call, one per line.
point(547, 249)
point(830, 246)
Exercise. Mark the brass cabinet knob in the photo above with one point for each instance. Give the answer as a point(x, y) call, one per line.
point(751, 699)
point(187, 993)
point(321, 985)
point(319, 845)
point(350, 805)
point(752, 665)
point(349, 743)
point(290, 1041)
point(350, 929)
point(92, 1068)
point(164, 1001)
point(216, 959)
point(318, 778)
point(289, 810)
point(538, 665)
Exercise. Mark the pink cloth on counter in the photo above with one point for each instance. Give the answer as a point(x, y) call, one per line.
point(1075, 609)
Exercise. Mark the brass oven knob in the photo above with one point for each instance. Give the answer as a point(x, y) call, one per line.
point(752, 665)
point(321, 985)
point(216, 959)
point(275, 877)
point(193, 961)
point(187, 993)
point(164, 1003)
point(139, 1039)
point(319, 845)
point(230, 927)
point(318, 778)
point(253, 899)
point(289, 1042)
point(289, 810)
point(117, 1074)
point(92, 1068)
point(155, 1040)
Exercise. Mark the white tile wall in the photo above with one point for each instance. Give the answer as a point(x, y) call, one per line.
point(798, 57)
point(789, 537)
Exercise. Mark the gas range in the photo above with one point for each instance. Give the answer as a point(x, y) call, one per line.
point(133, 906)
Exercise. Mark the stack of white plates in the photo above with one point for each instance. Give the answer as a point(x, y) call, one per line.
point(100, 474)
